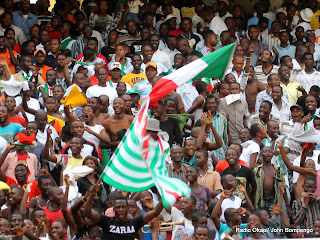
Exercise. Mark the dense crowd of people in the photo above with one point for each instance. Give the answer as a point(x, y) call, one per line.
point(73, 78)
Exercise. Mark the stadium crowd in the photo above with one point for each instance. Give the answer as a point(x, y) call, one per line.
point(73, 78)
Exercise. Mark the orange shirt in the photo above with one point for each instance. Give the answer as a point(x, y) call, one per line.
point(222, 165)
point(43, 72)
point(6, 57)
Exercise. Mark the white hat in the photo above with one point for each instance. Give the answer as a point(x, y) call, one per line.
point(306, 14)
point(153, 125)
point(170, 16)
point(115, 65)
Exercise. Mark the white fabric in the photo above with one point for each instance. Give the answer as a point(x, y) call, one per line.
point(297, 163)
point(32, 103)
point(128, 86)
point(161, 57)
point(92, 138)
point(308, 80)
point(188, 93)
point(300, 135)
point(217, 25)
point(3, 145)
point(228, 203)
point(97, 91)
point(249, 147)
point(13, 87)
point(171, 54)
point(177, 216)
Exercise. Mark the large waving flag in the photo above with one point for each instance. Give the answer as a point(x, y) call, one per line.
point(210, 66)
point(138, 164)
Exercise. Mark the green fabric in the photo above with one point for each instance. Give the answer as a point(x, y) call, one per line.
point(105, 158)
point(217, 62)
point(192, 161)
point(182, 118)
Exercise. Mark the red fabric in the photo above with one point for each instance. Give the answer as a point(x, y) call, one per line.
point(163, 87)
point(175, 32)
point(24, 139)
point(104, 60)
point(53, 34)
point(18, 119)
point(94, 80)
point(22, 157)
point(35, 191)
point(17, 48)
point(222, 165)
point(54, 216)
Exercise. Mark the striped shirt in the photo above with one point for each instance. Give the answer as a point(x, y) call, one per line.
point(261, 76)
point(220, 124)
point(180, 174)
point(205, 50)
point(306, 217)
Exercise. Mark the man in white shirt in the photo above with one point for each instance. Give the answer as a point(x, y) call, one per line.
point(159, 56)
point(308, 76)
point(171, 50)
point(101, 88)
point(217, 25)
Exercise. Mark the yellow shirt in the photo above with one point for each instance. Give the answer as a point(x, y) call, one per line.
point(315, 21)
point(133, 79)
point(292, 92)
point(187, 12)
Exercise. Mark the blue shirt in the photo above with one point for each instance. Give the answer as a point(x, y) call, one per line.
point(224, 226)
point(24, 24)
point(10, 131)
point(289, 50)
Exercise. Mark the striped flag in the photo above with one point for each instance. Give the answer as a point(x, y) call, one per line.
point(210, 66)
point(138, 163)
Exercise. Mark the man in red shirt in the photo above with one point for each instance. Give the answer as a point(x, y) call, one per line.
point(222, 165)
point(13, 117)
point(93, 44)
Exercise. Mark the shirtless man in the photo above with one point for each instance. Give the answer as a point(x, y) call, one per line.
point(117, 122)
point(99, 117)
point(252, 89)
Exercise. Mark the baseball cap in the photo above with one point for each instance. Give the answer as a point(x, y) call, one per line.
point(40, 50)
point(169, 17)
point(296, 106)
point(151, 64)
point(133, 91)
point(115, 65)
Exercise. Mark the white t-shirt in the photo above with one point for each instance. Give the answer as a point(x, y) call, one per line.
point(188, 94)
point(188, 229)
point(97, 91)
point(32, 103)
point(249, 147)
point(92, 138)
point(229, 203)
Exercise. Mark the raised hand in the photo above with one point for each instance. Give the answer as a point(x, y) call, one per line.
point(226, 193)
point(240, 211)
point(11, 146)
point(66, 179)
point(241, 188)
point(19, 231)
point(274, 209)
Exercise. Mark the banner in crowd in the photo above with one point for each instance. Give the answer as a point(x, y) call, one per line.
point(211, 66)
point(138, 164)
